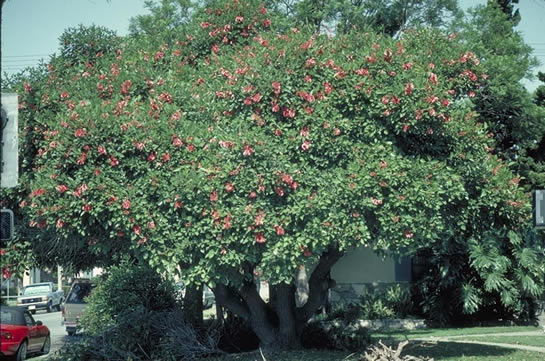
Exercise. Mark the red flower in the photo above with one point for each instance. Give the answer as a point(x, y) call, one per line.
point(213, 196)
point(259, 218)
point(248, 150)
point(114, 161)
point(256, 98)
point(101, 150)
point(151, 157)
point(276, 87)
point(307, 253)
point(86, 208)
point(385, 100)
point(151, 225)
point(408, 233)
point(278, 132)
point(433, 79)
point(61, 188)
point(266, 23)
point(239, 19)
point(178, 204)
point(253, 195)
point(137, 229)
point(362, 72)
point(215, 48)
point(279, 230)
point(376, 202)
point(328, 87)
point(229, 187)
point(6, 273)
point(227, 222)
point(177, 142)
point(279, 191)
point(166, 157)
point(80, 132)
point(337, 131)
point(409, 88)
point(259, 238)
point(60, 223)
point(126, 203)
point(288, 113)
point(306, 145)
point(64, 95)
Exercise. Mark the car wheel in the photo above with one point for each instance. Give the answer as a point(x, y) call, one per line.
point(49, 307)
point(59, 306)
point(21, 352)
point(46, 346)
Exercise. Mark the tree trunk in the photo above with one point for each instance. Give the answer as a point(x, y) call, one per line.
point(279, 324)
point(193, 306)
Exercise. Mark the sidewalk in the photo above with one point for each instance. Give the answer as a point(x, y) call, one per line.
point(505, 345)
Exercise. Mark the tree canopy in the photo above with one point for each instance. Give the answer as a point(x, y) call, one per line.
point(238, 150)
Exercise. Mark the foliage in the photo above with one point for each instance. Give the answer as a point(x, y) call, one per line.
point(125, 288)
point(518, 124)
point(495, 286)
point(377, 303)
point(237, 149)
point(389, 17)
point(393, 302)
point(133, 313)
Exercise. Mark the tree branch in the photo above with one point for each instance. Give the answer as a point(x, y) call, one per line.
point(318, 285)
point(229, 298)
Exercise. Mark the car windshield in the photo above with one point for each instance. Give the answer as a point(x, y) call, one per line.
point(79, 292)
point(35, 290)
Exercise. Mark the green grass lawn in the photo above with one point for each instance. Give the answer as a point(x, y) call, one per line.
point(446, 332)
point(442, 351)
point(450, 351)
point(538, 341)
point(439, 351)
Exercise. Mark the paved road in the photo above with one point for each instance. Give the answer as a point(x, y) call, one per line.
point(58, 333)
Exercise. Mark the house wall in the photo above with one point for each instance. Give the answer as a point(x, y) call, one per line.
point(361, 267)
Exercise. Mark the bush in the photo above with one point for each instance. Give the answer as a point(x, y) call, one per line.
point(394, 302)
point(133, 313)
point(377, 303)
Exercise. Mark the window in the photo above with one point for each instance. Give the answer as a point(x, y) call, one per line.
point(79, 291)
point(29, 320)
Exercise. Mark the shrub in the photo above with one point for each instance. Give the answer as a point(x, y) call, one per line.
point(133, 313)
point(393, 302)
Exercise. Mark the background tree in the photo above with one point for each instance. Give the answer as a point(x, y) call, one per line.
point(389, 17)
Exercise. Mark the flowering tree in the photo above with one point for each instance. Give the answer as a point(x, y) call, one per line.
point(238, 151)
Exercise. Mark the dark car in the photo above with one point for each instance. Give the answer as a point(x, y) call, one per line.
point(21, 334)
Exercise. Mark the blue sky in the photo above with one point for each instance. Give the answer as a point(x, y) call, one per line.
point(31, 28)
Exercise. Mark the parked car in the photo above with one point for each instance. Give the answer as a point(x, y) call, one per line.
point(41, 296)
point(208, 298)
point(21, 335)
point(75, 305)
